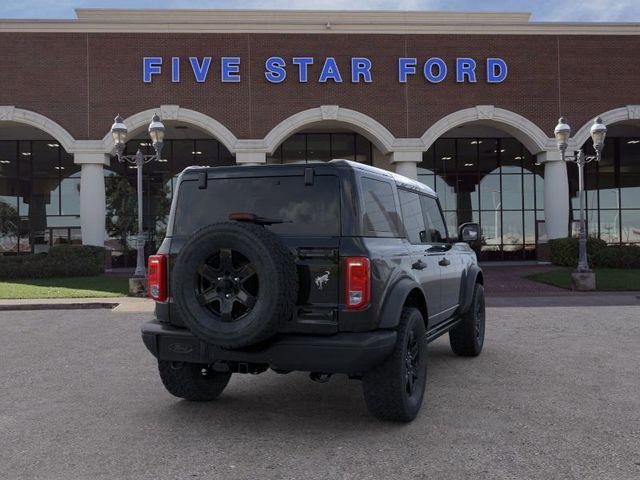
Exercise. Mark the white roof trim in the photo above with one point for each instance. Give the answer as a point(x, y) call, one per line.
point(311, 21)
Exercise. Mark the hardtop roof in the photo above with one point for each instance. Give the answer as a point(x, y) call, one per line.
point(399, 180)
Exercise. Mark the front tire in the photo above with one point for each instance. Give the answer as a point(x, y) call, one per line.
point(192, 381)
point(467, 338)
point(395, 389)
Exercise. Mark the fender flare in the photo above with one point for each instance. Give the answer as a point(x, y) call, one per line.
point(466, 289)
point(395, 299)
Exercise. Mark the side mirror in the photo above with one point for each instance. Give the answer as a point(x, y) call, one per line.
point(469, 232)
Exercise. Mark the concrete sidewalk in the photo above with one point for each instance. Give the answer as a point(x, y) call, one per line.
point(145, 305)
point(117, 304)
point(505, 286)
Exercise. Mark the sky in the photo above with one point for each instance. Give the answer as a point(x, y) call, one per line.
point(542, 10)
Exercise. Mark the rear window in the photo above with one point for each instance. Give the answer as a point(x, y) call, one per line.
point(309, 210)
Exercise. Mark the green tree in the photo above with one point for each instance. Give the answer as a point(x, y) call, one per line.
point(9, 221)
point(122, 210)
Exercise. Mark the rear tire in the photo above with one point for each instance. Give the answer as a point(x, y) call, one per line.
point(467, 338)
point(395, 389)
point(192, 381)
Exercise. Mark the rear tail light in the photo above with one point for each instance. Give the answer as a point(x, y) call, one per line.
point(157, 278)
point(357, 283)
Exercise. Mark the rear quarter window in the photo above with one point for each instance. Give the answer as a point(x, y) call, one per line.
point(306, 210)
point(380, 212)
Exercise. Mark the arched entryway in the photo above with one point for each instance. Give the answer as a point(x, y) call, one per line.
point(483, 174)
point(39, 184)
point(612, 186)
point(329, 132)
point(185, 145)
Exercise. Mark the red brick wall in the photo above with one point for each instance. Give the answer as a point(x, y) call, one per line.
point(82, 80)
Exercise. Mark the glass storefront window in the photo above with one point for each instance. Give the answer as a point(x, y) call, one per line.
point(612, 187)
point(445, 156)
point(294, 149)
point(512, 229)
point(319, 147)
point(466, 160)
point(487, 155)
point(343, 145)
point(630, 223)
point(446, 193)
point(490, 198)
point(610, 226)
point(630, 191)
point(511, 155)
point(306, 147)
point(512, 192)
point(364, 150)
point(493, 181)
point(8, 159)
point(467, 192)
point(529, 191)
point(70, 195)
point(530, 228)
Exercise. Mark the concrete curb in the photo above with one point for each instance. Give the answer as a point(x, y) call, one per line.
point(56, 306)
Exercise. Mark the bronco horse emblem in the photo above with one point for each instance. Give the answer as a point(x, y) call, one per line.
point(322, 280)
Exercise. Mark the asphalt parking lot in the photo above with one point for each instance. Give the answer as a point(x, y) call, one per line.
point(556, 394)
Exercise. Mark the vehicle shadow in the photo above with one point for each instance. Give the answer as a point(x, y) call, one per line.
point(292, 403)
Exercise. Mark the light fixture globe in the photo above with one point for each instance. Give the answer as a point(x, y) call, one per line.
point(562, 133)
point(156, 129)
point(598, 133)
point(119, 133)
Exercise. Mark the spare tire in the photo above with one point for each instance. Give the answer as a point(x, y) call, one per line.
point(234, 283)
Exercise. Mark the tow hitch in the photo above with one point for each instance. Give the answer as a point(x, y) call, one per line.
point(320, 377)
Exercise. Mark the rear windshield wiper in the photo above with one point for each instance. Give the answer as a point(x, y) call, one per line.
point(253, 218)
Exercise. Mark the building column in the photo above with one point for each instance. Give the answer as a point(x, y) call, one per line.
point(251, 158)
point(93, 208)
point(406, 163)
point(556, 194)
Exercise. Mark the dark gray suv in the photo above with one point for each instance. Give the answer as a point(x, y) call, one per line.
point(327, 268)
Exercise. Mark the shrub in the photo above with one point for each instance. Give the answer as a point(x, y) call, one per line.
point(61, 261)
point(564, 251)
point(618, 256)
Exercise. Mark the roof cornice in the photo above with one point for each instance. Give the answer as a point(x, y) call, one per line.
point(312, 21)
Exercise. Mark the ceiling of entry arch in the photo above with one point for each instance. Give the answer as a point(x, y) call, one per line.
point(19, 131)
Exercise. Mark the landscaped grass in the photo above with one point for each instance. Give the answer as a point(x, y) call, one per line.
point(607, 279)
point(72, 287)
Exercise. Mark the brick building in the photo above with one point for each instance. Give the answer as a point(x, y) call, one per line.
point(465, 102)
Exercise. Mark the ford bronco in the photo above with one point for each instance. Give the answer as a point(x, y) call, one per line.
point(328, 268)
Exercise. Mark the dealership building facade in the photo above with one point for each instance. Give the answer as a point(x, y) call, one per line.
point(464, 102)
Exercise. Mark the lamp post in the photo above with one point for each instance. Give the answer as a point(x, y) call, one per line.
point(119, 133)
point(562, 133)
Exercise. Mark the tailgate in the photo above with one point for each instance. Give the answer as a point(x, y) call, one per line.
point(319, 283)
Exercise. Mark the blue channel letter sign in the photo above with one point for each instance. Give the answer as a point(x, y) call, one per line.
point(325, 70)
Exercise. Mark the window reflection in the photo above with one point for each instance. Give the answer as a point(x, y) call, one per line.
point(493, 181)
point(612, 188)
point(307, 147)
point(39, 195)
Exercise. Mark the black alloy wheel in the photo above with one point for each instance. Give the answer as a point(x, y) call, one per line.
point(412, 363)
point(394, 390)
point(467, 338)
point(227, 284)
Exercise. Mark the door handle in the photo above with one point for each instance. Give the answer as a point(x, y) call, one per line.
point(444, 262)
point(419, 265)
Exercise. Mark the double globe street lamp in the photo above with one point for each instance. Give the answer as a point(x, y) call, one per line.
point(119, 133)
point(583, 277)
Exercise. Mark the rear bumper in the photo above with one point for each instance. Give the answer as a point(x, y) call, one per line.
point(350, 353)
